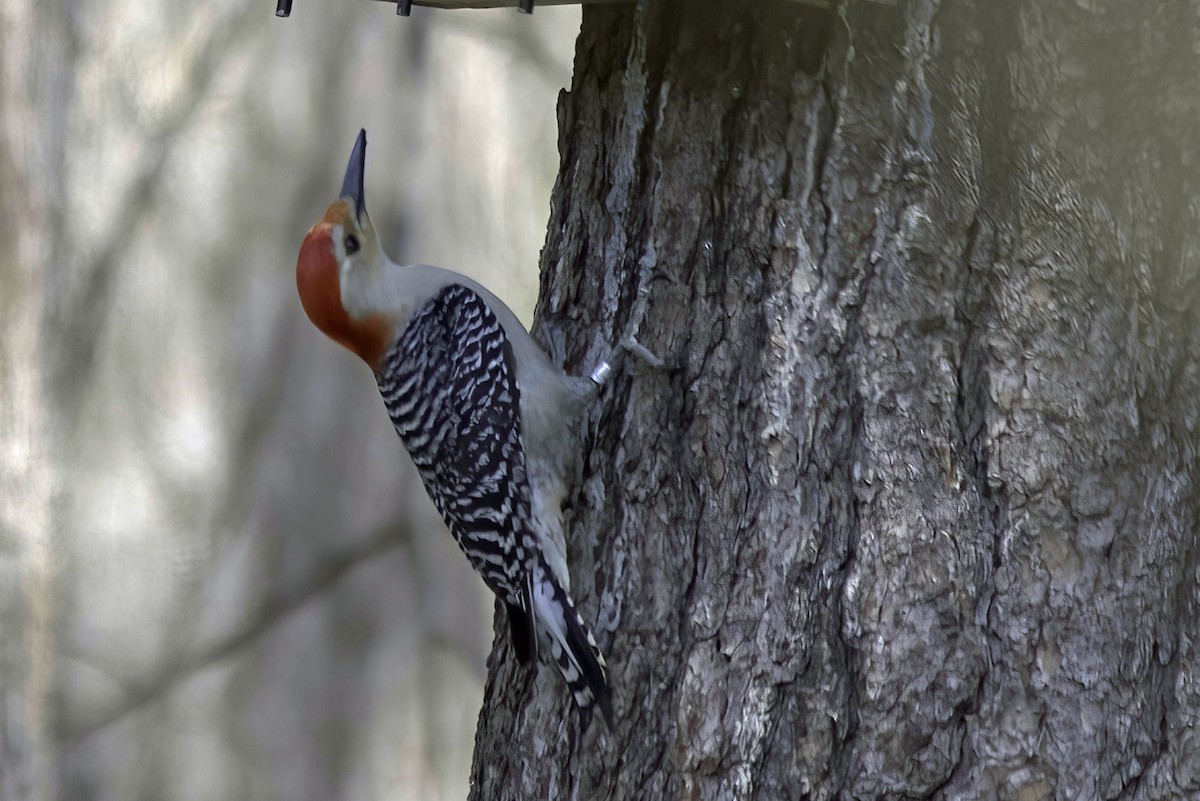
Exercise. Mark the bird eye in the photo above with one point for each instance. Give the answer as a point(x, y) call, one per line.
point(351, 244)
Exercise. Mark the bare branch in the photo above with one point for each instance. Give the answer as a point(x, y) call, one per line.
point(273, 611)
point(79, 323)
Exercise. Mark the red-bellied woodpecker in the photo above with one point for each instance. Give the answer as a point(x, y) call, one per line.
point(490, 422)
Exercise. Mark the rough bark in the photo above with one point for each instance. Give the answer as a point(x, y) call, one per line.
point(914, 514)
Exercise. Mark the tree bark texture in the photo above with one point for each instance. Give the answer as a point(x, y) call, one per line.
point(913, 511)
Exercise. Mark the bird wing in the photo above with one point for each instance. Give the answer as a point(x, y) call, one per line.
point(450, 386)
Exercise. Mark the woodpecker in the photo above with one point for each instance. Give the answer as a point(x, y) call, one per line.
point(489, 421)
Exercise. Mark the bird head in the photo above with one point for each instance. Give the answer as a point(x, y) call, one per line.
point(341, 256)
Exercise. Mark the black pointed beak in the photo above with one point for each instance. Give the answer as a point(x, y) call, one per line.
point(352, 185)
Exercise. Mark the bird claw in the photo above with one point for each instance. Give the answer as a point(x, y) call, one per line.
point(631, 345)
point(604, 370)
point(628, 342)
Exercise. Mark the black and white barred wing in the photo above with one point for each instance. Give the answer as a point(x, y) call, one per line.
point(450, 388)
point(451, 391)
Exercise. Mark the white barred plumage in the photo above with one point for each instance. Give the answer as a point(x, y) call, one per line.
point(491, 424)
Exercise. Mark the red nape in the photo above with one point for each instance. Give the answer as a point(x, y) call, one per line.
point(321, 296)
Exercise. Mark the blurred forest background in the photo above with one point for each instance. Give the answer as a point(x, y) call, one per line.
point(219, 576)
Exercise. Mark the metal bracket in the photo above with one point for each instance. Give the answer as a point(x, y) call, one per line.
point(283, 8)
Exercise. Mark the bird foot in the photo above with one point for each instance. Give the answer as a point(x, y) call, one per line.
point(629, 344)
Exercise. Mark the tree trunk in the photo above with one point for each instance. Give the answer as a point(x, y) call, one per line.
point(913, 513)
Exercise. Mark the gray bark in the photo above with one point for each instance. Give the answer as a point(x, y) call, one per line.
point(915, 513)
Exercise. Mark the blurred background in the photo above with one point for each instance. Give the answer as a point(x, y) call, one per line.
point(219, 575)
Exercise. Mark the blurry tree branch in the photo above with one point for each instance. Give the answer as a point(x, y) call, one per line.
point(222, 558)
point(80, 315)
point(262, 394)
point(325, 575)
point(523, 41)
point(38, 53)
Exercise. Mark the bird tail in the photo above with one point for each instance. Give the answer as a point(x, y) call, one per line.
point(564, 638)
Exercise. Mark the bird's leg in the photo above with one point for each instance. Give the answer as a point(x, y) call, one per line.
point(628, 343)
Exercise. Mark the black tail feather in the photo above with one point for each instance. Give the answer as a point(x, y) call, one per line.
point(562, 638)
point(594, 674)
point(520, 629)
